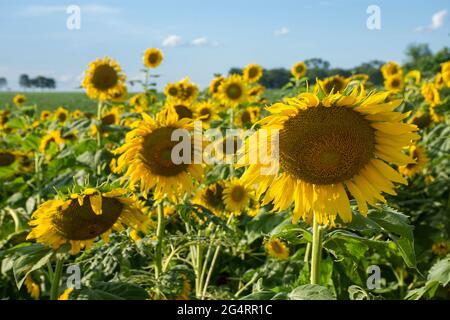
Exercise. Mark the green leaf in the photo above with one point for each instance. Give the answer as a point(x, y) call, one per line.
point(440, 272)
point(311, 292)
point(110, 291)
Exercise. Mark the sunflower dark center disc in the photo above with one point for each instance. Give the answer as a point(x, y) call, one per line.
point(335, 84)
point(108, 119)
point(62, 117)
point(173, 91)
point(183, 112)
point(153, 58)
point(253, 72)
point(276, 247)
point(326, 145)
point(234, 91)
point(6, 158)
point(238, 193)
point(105, 77)
point(245, 117)
point(157, 153)
point(81, 223)
point(213, 196)
point(206, 113)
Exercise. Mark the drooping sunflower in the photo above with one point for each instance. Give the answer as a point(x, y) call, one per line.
point(211, 197)
point(79, 218)
point(61, 115)
point(153, 58)
point(298, 70)
point(277, 249)
point(236, 196)
point(19, 99)
point(413, 75)
point(252, 72)
point(419, 155)
point(430, 94)
point(215, 84)
point(245, 118)
point(394, 83)
point(327, 145)
point(421, 119)
point(233, 91)
point(333, 84)
point(146, 157)
point(206, 112)
point(102, 78)
point(51, 137)
point(391, 68)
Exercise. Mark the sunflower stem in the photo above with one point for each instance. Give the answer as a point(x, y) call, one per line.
point(316, 252)
point(159, 244)
point(307, 252)
point(37, 171)
point(99, 132)
point(56, 278)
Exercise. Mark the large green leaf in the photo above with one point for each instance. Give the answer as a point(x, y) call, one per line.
point(311, 292)
point(110, 291)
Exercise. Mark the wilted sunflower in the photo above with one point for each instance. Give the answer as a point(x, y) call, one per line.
point(102, 78)
point(205, 111)
point(153, 57)
point(61, 115)
point(236, 196)
point(298, 70)
point(252, 72)
point(419, 155)
point(146, 157)
point(81, 217)
point(211, 197)
point(233, 91)
point(333, 84)
point(430, 94)
point(325, 145)
point(413, 75)
point(172, 90)
point(391, 68)
point(215, 84)
point(19, 99)
point(247, 117)
point(394, 83)
point(51, 137)
point(277, 249)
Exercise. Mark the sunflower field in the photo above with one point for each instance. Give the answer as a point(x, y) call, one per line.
point(331, 188)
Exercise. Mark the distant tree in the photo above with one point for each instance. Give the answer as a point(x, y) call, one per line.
point(317, 68)
point(24, 81)
point(235, 70)
point(419, 56)
point(3, 83)
point(275, 78)
point(372, 69)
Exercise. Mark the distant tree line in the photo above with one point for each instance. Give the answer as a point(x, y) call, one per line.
point(3, 83)
point(418, 56)
point(39, 82)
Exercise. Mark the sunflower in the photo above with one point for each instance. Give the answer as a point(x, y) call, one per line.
point(186, 288)
point(119, 93)
point(256, 91)
point(298, 70)
point(206, 112)
point(390, 69)
point(441, 248)
point(211, 197)
point(247, 117)
point(153, 58)
point(139, 102)
point(66, 294)
point(215, 84)
point(421, 119)
point(430, 94)
point(439, 81)
point(172, 90)
point(77, 114)
point(419, 155)
point(333, 84)
point(146, 156)
point(61, 115)
point(236, 196)
point(4, 118)
point(19, 99)
point(327, 144)
point(445, 71)
point(111, 117)
point(51, 137)
point(394, 83)
point(79, 218)
point(413, 75)
point(188, 91)
point(102, 78)
point(252, 72)
point(32, 287)
point(181, 109)
point(361, 77)
point(277, 249)
point(233, 91)
point(7, 158)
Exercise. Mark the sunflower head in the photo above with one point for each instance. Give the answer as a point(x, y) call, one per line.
point(421, 119)
point(334, 84)
point(211, 197)
point(153, 57)
point(326, 144)
point(102, 78)
point(181, 109)
point(119, 93)
point(215, 84)
point(419, 155)
point(19, 99)
point(81, 217)
point(233, 91)
point(139, 102)
point(206, 112)
point(51, 137)
point(236, 196)
point(77, 114)
point(61, 115)
point(7, 158)
point(252, 72)
point(111, 117)
point(247, 117)
point(414, 76)
point(188, 91)
point(391, 68)
point(298, 70)
point(147, 157)
point(172, 90)
point(277, 249)
point(431, 94)
point(394, 83)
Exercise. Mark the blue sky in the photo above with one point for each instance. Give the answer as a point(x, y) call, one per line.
point(203, 37)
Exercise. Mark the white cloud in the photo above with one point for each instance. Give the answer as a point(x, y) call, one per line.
point(171, 41)
point(199, 42)
point(44, 10)
point(437, 21)
point(281, 31)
